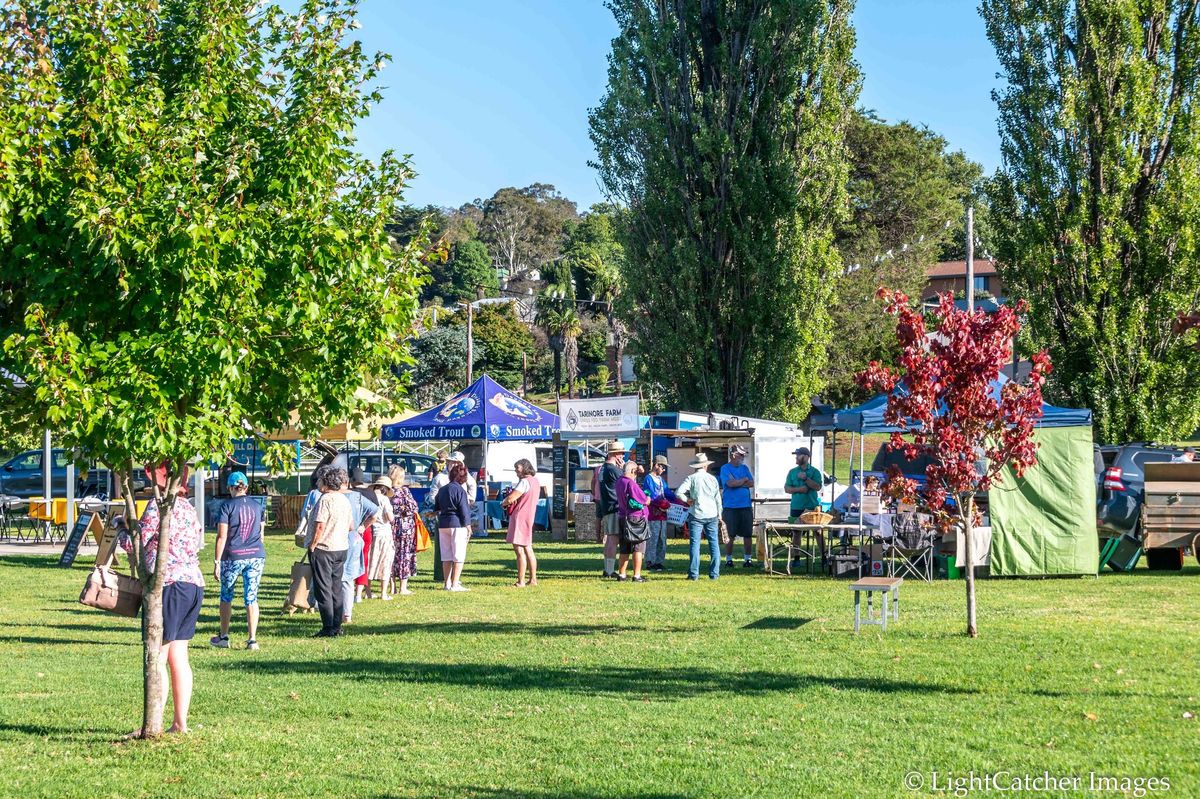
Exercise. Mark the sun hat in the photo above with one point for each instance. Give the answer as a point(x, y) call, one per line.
point(701, 461)
point(615, 447)
point(236, 479)
point(661, 460)
point(383, 480)
point(457, 455)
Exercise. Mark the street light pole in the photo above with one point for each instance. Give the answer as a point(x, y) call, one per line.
point(970, 258)
point(470, 344)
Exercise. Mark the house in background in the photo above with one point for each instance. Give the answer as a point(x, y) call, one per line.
point(952, 276)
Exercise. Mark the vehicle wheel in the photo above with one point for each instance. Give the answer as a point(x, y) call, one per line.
point(1196, 548)
point(1164, 559)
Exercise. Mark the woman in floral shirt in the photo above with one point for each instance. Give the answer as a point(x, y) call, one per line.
point(183, 587)
point(404, 530)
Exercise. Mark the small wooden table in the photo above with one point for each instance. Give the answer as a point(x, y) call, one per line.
point(889, 586)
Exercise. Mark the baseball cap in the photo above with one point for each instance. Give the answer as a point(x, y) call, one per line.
point(801, 451)
point(236, 479)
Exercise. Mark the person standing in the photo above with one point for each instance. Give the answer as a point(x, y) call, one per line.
point(737, 482)
point(454, 526)
point(183, 585)
point(404, 530)
point(633, 512)
point(606, 503)
point(362, 503)
point(661, 497)
point(803, 483)
point(701, 491)
point(521, 504)
point(239, 554)
point(381, 555)
point(329, 539)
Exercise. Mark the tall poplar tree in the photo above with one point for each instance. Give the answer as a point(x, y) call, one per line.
point(722, 133)
point(1097, 206)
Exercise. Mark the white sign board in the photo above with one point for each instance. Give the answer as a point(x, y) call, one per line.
point(608, 415)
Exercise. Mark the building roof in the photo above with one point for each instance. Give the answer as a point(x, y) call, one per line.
point(959, 268)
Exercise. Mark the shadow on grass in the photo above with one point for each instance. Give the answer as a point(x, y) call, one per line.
point(524, 793)
point(35, 561)
point(777, 623)
point(56, 733)
point(611, 681)
point(43, 640)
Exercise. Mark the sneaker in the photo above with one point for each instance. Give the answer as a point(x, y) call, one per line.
point(324, 634)
point(728, 561)
point(640, 579)
point(690, 577)
point(252, 645)
point(220, 641)
point(607, 575)
point(620, 578)
point(747, 563)
point(459, 588)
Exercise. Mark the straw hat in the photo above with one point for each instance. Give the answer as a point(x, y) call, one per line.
point(615, 447)
point(383, 480)
point(661, 460)
point(701, 461)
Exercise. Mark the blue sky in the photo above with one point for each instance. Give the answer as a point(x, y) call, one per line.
point(493, 93)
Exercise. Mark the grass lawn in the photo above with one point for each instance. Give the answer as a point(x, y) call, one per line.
point(750, 686)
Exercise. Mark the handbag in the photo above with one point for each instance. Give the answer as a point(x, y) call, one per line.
point(723, 532)
point(297, 598)
point(634, 531)
point(112, 591)
point(422, 535)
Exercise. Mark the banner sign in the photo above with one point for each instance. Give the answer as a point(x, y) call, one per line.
point(609, 415)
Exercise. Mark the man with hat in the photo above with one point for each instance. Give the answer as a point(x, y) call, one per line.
point(240, 553)
point(737, 482)
point(803, 483)
point(661, 497)
point(605, 491)
point(702, 493)
point(1187, 456)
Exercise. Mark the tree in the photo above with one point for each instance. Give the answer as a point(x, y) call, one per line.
point(506, 343)
point(945, 406)
point(557, 314)
point(468, 270)
point(597, 258)
point(188, 240)
point(721, 132)
point(1097, 206)
point(904, 190)
point(524, 228)
point(439, 364)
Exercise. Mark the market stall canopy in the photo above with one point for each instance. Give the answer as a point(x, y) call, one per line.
point(868, 417)
point(484, 410)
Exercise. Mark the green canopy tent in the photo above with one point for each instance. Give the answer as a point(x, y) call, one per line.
point(1043, 523)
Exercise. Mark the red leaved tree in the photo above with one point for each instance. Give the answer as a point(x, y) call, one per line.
point(940, 397)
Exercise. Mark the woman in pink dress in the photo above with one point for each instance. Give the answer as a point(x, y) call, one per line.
point(521, 504)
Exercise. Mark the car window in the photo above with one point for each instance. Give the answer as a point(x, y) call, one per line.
point(1135, 465)
point(26, 461)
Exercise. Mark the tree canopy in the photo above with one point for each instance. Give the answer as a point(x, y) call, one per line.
point(721, 132)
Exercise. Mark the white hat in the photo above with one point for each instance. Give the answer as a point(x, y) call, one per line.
point(457, 455)
point(383, 480)
point(701, 461)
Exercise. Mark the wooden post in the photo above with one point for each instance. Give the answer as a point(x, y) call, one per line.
point(970, 258)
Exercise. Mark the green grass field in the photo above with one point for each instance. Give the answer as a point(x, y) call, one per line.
point(750, 686)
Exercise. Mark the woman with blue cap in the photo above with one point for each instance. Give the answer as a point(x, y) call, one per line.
point(240, 553)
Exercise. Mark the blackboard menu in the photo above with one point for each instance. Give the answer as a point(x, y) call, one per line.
point(558, 508)
point(71, 550)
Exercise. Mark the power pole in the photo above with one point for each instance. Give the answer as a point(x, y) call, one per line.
point(470, 344)
point(970, 258)
point(524, 374)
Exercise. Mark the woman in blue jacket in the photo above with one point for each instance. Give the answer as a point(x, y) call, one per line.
point(454, 526)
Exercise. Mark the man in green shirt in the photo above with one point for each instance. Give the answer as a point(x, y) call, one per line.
point(804, 484)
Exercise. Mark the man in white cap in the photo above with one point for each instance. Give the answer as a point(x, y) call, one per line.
point(738, 485)
point(702, 493)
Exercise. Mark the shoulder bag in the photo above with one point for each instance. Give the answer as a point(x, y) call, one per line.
point(112, 591)
point(634, 531)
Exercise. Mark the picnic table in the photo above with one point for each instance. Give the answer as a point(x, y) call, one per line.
point(811, 543)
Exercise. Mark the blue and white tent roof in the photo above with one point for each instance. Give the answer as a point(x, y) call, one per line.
point(484, 410)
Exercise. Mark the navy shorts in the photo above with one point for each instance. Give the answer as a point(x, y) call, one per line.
point(740, 522)
point(181, 608)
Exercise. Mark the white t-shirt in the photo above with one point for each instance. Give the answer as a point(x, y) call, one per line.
point(471, 487)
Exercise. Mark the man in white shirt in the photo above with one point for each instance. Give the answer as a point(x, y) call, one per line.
point(1187, 456)
point(701, 491)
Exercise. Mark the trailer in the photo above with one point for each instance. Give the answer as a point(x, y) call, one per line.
point(1170, 519)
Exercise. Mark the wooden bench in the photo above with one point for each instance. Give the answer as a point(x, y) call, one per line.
point(890, 586)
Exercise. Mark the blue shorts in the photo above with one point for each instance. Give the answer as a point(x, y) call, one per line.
point(250, 570)
point(181, 608)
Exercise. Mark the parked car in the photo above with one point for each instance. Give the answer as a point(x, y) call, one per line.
point(22, 476)
point(416, 466)
point(1121, 483)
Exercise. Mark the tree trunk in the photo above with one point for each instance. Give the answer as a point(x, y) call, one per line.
point(968, 523)
point(154, 678)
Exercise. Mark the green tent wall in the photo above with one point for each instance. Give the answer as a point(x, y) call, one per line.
point(1045, 522)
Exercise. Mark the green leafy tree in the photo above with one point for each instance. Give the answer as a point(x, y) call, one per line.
point(468, 270)
point(904, 190)
point(439, 363)
point(558, 315)
point(506, 341)
point(1097, 207)
point(524, 228)
point(722, 134)
point(598, 259)
point(188, 240)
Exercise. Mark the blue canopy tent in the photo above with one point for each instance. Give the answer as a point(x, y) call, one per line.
point(1042, 523)
point(485, 410)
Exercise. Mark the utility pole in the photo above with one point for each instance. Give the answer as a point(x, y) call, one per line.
point(970, 258)
point(524, 374)
point(470, 344)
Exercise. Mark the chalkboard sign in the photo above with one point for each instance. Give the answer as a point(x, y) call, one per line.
point(558, 508)
point(82, 525)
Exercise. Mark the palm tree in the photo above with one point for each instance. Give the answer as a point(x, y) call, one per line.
point(556, 313)
point(605, 279)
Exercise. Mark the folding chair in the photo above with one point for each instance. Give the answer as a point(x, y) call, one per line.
point(911, 549)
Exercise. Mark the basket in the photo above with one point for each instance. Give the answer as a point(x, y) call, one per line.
point(815, 517)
